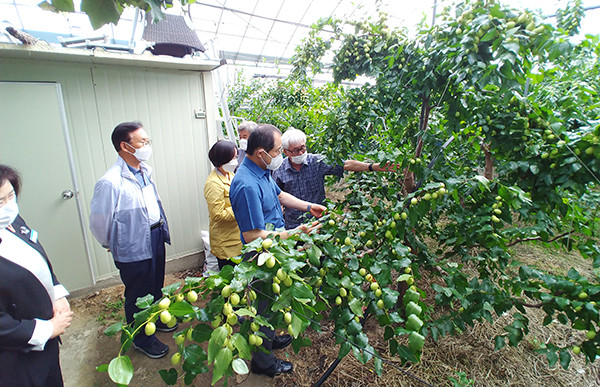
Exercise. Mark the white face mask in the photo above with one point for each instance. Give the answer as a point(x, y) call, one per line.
point(299, 159)
point(275, 161)
point(143, 153)
point(243, 144)
point(230, 166)
point(8, 213)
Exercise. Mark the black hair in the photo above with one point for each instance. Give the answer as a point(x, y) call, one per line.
point(122, 132)
point(221, 153)
point(262, 137)
point(13, 177)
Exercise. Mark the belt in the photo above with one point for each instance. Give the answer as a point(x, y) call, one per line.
point(157, 224)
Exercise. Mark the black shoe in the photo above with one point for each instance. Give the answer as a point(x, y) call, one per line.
point(281, 341)
point(279, 367)
point(156, 350)
point(164, 328)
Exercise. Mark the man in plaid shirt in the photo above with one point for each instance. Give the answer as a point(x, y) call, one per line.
point(303, 174)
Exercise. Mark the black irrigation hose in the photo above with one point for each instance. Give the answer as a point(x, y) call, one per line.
point(337, 361)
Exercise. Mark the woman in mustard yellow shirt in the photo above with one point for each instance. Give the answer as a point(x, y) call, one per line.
point(225, 241)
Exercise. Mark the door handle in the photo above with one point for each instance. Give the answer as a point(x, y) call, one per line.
point(67, 194)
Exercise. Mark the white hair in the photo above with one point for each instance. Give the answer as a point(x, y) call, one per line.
point(292, 136)
point(248, 126)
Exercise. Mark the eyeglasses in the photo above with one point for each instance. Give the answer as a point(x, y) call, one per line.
point(298, 151)
point(143, 142)
point(279, 151)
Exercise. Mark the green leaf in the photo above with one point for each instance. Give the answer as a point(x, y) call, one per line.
point(169, 377)
point(180, 309)
point(170, 289)
point(241, 344)
point(222, 363)
point(113, 329)
point(353, 328)
point(565, 359)
point(102, 368)
point(314, 255)
point(101, 12)
point(216, 341)
point(345, 349)
point(378, 363)
point(194, 354)
point(144, 302)
point(356, 307)
point(201, 333)
point(120, 370)
point(301, 292)
point(239, 366)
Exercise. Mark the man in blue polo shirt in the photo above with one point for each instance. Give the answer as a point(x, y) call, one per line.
point(256, 201)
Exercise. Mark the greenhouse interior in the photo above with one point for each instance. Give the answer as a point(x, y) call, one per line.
point(352, 192)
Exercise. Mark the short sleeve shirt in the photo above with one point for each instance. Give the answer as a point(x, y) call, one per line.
point(307, 184)
point(254, 198)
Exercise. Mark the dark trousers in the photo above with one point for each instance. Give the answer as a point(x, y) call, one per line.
point(142, 278)
point(261, 359)
point(31, 369)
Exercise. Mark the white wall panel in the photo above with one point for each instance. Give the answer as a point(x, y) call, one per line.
point(97, 98)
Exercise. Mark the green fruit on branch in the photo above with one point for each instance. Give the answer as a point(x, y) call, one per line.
point(288, 282)
point(165, 316)
point(259, 341)
point(378, 293)
point(190, 334)
point(343, 292)
point(410, 281)
point(374, 286)
point(276, 289)
point(192, 296)
point(576, 350)
point(179, 339)
point(404, 215)
point(254, 326)
point(583, 295)
point(227, 309)
point(234, 299)
point(414, 323)
point(150, 328)
point(232, 319)
point(338, 300)
point(415, 342)
point(226, 291)
point(380, 304)
point(266, 244)
point(347, 241)
point(252, 339)
point(591, 334)
point(179, 297)
point(164, 303)
point(172, 322)
point(362, 271)
point(176, 358)
point(287, 317)
point(414, 201)
point(270, 262)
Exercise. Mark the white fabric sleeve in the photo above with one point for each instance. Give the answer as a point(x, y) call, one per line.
point(60, 292)
point(41, 333)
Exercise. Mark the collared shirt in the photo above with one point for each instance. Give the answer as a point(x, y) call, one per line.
point(254, 198)
point(139, 176)
point(307, 184)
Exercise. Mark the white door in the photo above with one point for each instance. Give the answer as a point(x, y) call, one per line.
point(34, 140)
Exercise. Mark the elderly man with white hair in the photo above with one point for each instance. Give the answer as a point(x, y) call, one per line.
point(302, 174)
